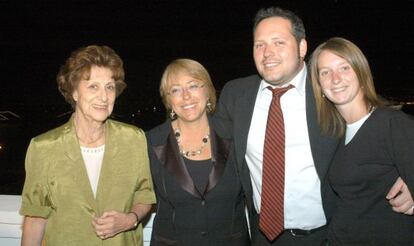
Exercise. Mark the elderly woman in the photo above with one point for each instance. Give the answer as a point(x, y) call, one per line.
point(200, 199)
point(375, 148)
point(88, 181)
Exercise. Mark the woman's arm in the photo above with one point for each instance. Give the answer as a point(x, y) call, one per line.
point(141, 211)
point(33, 231)
point(113, 222)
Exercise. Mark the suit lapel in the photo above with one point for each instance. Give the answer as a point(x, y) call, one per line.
point(173, 162)
point(109, 167)
point(243, 117)
point(219, 154)
point(169, 156)
point(322, 146)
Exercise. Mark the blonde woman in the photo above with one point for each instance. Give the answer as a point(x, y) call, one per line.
point(199, 195)
point(375, 148)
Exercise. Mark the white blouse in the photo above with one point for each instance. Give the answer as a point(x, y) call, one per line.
point(93, 158)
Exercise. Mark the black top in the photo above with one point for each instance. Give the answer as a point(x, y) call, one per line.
point(362, 173)
point(199, 171)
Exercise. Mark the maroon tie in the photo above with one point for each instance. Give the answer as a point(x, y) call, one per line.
point(271, 221)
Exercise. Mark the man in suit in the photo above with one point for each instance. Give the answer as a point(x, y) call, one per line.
point(279, 50)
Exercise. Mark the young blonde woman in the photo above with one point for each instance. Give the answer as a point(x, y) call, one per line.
point(375, 148)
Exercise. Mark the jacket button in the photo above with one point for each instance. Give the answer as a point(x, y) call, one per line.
point(203, 233)
point(203, 202)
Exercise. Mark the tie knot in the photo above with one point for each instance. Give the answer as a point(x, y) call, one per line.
point(280, 91)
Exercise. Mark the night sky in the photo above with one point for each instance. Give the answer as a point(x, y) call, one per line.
point(37, 37)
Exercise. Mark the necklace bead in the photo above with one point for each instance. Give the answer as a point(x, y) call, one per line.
point(190, 153)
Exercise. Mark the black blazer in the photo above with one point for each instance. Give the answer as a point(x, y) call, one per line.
point(233, 117)
point(186, 216)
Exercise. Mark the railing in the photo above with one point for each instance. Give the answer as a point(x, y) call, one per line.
point(8, 115)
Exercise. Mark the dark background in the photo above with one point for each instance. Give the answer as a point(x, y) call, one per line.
point(37, 37)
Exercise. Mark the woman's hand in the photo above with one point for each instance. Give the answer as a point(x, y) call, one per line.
point(112, 223)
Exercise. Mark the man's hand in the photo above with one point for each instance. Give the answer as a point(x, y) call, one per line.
point(400, 198)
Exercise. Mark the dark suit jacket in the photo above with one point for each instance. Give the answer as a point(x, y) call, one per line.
point(234, 114)
point(186, 216)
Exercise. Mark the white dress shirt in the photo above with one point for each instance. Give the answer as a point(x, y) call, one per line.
point(302, 202)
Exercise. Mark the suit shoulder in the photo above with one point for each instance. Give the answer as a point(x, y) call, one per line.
point(52, 134)
point(238, 87)
point(243, 81)
point(392, 113)
point(159, 133)
point(125, 127)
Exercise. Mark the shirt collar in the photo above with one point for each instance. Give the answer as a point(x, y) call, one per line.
point(299, 81)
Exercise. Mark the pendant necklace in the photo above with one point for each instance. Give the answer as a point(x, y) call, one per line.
point(190, 153)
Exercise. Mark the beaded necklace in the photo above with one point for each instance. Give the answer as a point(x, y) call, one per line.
point(190, 153)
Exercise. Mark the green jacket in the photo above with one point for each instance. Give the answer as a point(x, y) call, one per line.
point(57, 186)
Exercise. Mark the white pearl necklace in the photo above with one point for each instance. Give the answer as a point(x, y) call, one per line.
point(88, 150)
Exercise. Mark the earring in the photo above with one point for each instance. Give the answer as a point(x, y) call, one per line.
point(209, 108)
point(172, 114)
point(323, 95)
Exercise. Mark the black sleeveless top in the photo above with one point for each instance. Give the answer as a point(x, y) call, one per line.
point(199, 171)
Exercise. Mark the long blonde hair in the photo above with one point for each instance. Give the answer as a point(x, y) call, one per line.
point(330, 121)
